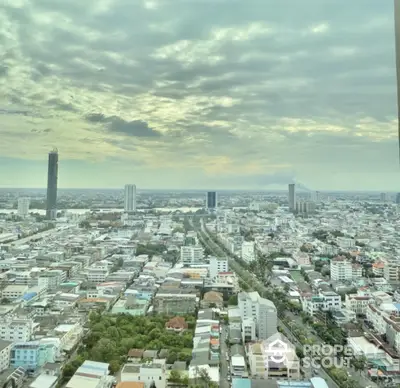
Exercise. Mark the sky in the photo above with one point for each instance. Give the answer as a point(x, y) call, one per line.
point(199, 93)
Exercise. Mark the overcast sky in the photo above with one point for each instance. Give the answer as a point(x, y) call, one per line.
point(199, 93)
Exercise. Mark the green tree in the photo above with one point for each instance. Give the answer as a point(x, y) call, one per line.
point(233, 300)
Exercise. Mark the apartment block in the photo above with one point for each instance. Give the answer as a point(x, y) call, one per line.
point(217, 265)
point(13, 329)
point(192, 255)
point(262, 311)
point(342, 269)
point(5, 352)
point(325, 301)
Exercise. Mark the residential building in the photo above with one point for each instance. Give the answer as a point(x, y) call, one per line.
point(262, 364)
point(358, 302)
point(32, 355)
point(98, 273)
point(15, 329)
point(262, 311)
point(211, 200)
point(23, 206)
point(91, 374)
point(12, 292)
point(217, 265)
point(342, 269)
point(147, 373)
point(5, 352)
point(391, 270)
point(191, 255)
point(130, 198)
point(325, 301)
point(248, 251)
point(292, 197)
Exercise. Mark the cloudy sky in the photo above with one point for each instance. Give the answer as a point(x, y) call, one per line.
point(199, 93)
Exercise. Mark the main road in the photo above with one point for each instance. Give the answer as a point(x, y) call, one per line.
point(253, 283)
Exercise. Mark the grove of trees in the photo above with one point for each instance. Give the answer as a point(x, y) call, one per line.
point(111, 337)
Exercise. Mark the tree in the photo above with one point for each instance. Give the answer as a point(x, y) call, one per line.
point(175, 376)
point(359, 363)
point(233, 300)
point(85, 224)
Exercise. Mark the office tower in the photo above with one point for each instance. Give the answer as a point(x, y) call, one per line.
point(23, 206)
point(130, 198)
point(383, 197)
point(397, 44)
point(52, 181)
point(211, 200)
point(292, 196)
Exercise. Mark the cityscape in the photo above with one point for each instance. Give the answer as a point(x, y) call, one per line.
point(277, 283)
point(132, 288)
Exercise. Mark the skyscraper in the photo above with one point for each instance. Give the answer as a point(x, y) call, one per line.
point(211, 200)
point(130, 198)
point(52, 181)
point(397, 43)
point(292, 196)
point(23, 206)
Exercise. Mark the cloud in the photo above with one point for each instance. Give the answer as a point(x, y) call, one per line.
point(135, 128)
point(237, 93)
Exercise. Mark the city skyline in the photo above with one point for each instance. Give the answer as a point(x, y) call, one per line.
point(258, 99)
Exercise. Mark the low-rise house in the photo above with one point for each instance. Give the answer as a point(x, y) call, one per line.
point(177, 324)
point(212, 298)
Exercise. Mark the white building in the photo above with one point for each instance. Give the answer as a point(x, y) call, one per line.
point(342, 269)
point(292, 196)
point(191, 255)
point(23, 206)
point(262, 311)
point(358, 303)
point(325, 301)
point(146, 373)
point(217, 265)
point(98, 273)
point(130, 198)
point(18, 330)
point(5, 351)
point(262, 365)
point(248, 251)
point(14, 291)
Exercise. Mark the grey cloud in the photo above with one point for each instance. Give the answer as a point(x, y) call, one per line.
point(135, 128)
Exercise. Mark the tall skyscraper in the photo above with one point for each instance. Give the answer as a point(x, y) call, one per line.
point(23, 206)
point(211, 200)
point(52, 182)
point(130, 198)
point(397, 44)
point(292, 196)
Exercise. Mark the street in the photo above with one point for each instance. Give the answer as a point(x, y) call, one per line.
point(250, 279)
point(223, 373)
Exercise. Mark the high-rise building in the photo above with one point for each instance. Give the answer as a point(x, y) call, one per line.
point(130, 198)
point(398, 198)
point(211, 200)
point(383, 197)
point(397, 43)
point(52, 182)
point(292, 196)
point(23, 206)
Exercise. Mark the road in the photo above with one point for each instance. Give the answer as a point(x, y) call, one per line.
point(255, 284)
point(223, 372)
